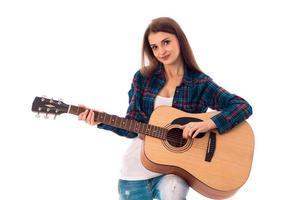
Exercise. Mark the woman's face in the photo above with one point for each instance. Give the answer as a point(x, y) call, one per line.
point(165, 47)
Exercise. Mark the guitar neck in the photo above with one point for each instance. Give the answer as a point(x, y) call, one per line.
point(123, 123)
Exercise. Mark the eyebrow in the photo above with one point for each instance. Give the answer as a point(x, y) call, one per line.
point(167, 38)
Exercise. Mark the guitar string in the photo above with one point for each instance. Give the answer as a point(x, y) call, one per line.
point(172, 138)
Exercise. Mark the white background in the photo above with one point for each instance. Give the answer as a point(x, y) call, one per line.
point(87, 52)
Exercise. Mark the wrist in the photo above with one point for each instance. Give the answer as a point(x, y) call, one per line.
point(211, 124)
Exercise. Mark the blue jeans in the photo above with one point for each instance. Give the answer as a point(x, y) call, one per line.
point(165, 187)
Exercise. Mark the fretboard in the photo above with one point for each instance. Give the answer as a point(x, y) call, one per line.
point(123, 123)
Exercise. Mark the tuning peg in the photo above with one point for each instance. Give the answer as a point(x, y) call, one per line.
point(43, 97)
point(46, 116)
point(38, 112)
point(59, 101)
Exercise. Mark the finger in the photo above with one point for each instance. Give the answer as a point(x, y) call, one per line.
point(196, 133)
point(183, 133)
point(84, 115)
point(191, 129)
point(89, 116)
point(186, 131)
point(93, 119)
point(80, 116)
point(190, 132)
point(183, 126)
point(81, 106)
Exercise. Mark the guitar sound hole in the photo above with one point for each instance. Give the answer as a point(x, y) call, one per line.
point(174, 137)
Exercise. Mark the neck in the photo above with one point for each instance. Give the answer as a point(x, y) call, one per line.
point(123, 123)
point(174, 70)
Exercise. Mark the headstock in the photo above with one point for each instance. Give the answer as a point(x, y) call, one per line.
point(49, 106)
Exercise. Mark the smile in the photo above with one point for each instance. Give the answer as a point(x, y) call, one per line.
point(165, 57)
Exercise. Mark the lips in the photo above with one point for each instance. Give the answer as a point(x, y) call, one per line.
point(165, 57)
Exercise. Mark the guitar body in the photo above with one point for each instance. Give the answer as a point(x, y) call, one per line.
point(221, 176)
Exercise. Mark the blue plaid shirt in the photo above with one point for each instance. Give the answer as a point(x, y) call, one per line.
point(196, 93)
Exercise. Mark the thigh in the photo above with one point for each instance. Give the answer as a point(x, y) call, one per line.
point(134, 190)
point(172, 187)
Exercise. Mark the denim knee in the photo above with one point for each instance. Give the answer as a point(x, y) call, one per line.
point(172, 187)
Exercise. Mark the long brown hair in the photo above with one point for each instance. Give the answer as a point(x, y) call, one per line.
point(168, 25)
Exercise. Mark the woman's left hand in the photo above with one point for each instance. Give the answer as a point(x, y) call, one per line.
point(192, 129)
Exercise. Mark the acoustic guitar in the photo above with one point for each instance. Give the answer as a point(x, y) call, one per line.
point(215, 165)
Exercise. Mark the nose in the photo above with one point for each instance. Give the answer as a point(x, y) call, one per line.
point(161, 51)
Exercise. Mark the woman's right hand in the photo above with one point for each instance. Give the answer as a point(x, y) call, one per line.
point(88, 116)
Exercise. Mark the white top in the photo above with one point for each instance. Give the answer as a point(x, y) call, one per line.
point(132, 167)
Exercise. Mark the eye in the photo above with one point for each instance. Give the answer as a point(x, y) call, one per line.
point(153, 47)
point(166, 42)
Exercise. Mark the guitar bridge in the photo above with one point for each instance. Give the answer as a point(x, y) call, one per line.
point(211, 146)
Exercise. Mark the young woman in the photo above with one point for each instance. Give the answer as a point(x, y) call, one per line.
point(171, 77)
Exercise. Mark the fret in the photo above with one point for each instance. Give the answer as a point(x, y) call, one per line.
point(134, 126)
point(155, 131)
point(71, 109)
point(127, 123)
point(118, 120)
point(97, 116)
point(137, 125)
point(163, 133)
point(141, 127)
point(75, 110)
point(113, 120)
point(148, 129)
point(104, 118)
point(109, 120)
point(151, 130)
point(160, 132)
point(124, 122)
point(144, 128)
point(130, 122)
point(101, 115)
point(121, 122)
